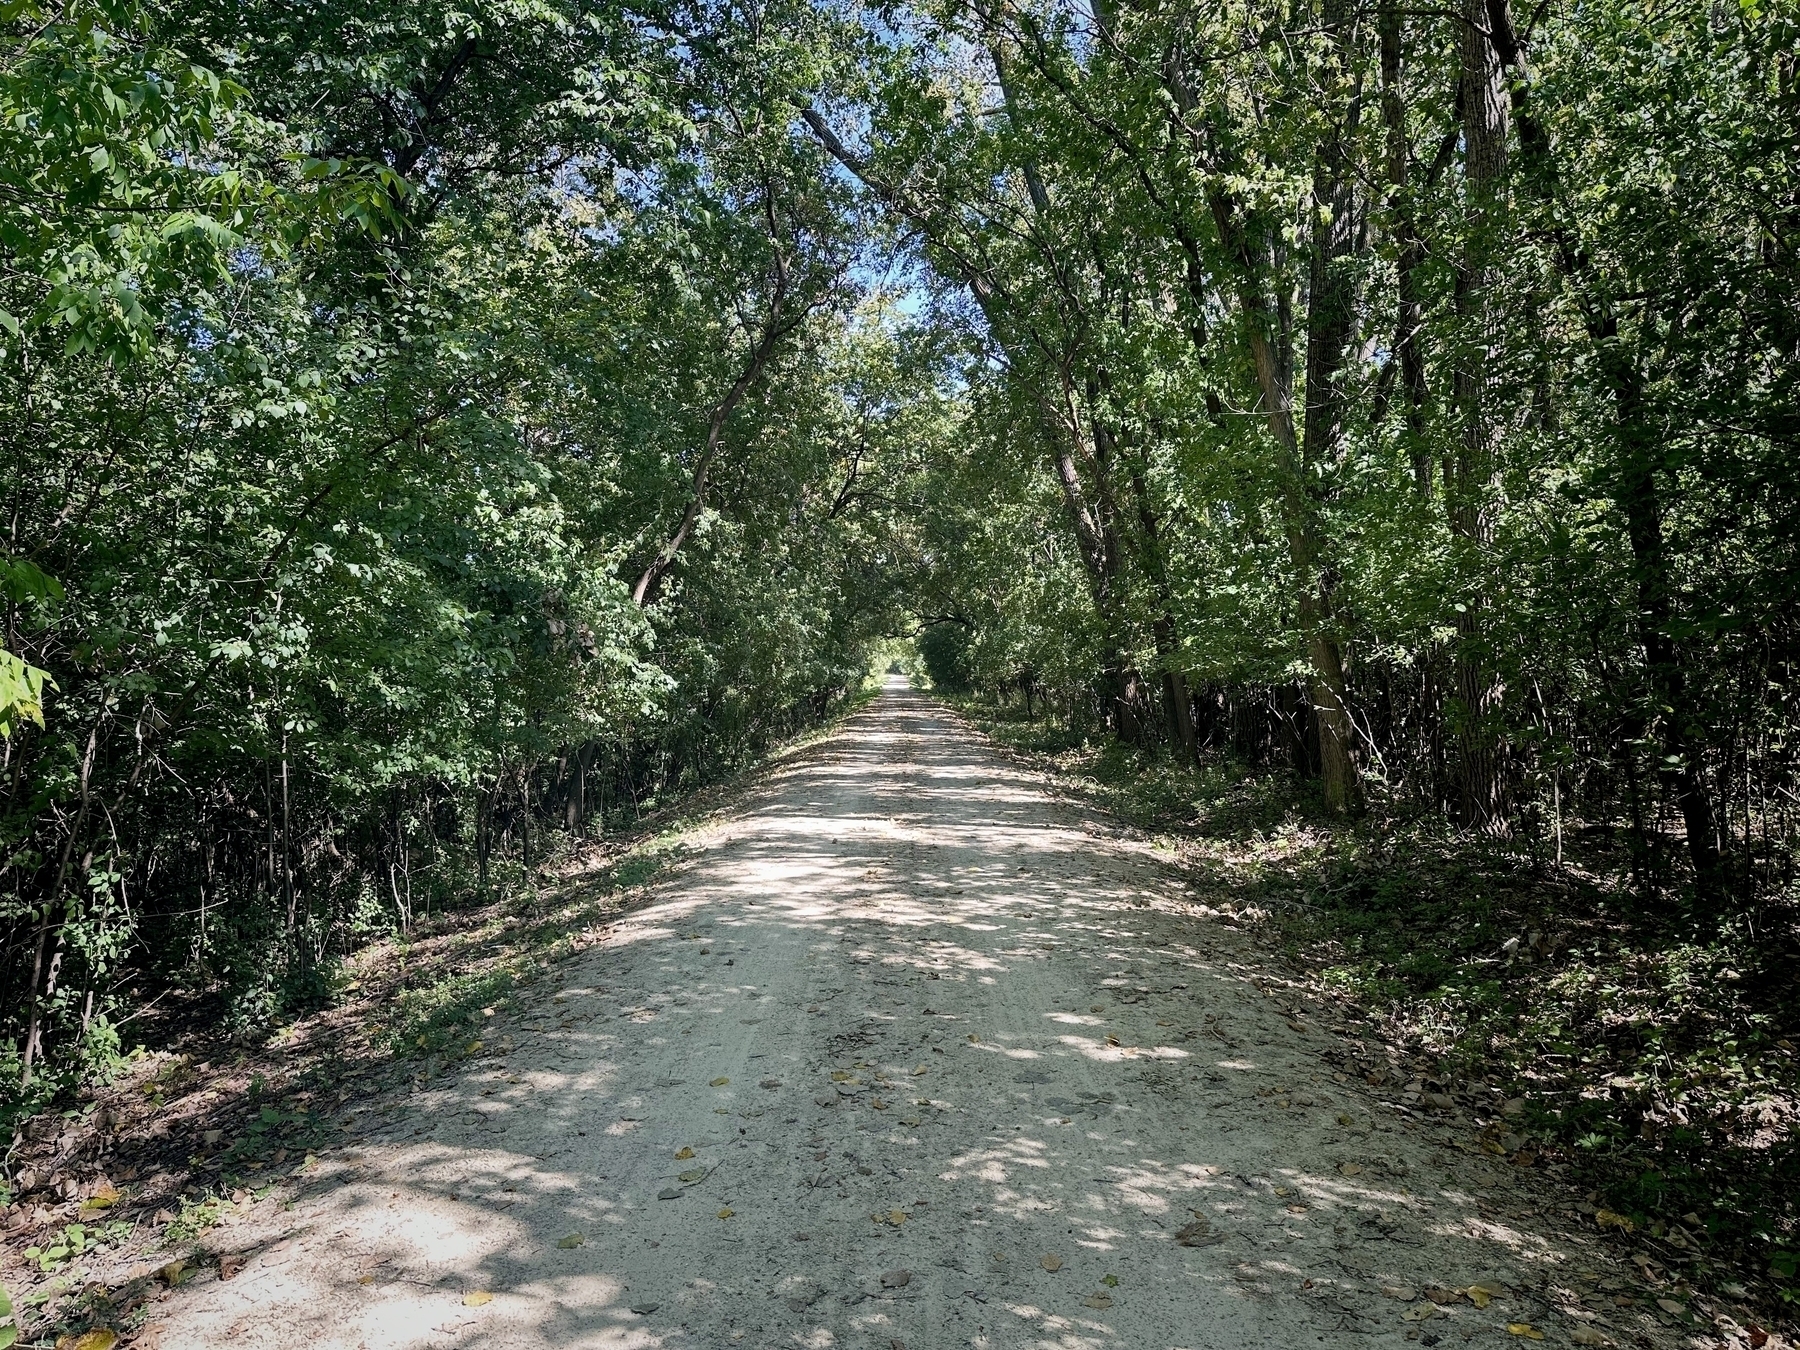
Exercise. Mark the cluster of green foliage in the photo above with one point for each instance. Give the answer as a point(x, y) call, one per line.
point(1406, 396)
point(425, 426)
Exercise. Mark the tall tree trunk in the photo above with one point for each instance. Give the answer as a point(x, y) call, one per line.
point(1178, 713)
point(1331, 307)
point(1683, 740)
point(1409, 319)
point(1327, 685)
point(575, 800)
point(1097, 543)
point(1480, 784)
point(1268, 329)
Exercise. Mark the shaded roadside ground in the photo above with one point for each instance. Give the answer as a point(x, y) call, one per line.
point(910, 1053)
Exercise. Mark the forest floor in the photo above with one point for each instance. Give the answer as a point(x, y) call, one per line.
point(907, 1048)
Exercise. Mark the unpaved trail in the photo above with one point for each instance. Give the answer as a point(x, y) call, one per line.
point(928, 1032)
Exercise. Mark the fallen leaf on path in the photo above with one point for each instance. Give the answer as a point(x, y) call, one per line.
point(921, 1069)
point(1404, 1292)
point(1438, 1294)
point(103, 1199)
point(1526, 1330)
point(366, 1279)
point(692, 1175)
point(1051, 1262)
point(669, 1193)
point(1423, 1313)
point(572, 1241)
point(684, 1155)
point(1669, 1305)
point(896, 1279)
point(1099, 1300)
point(719, 1082)
point(477, 1298)
point(1588, 1336)
point(1480, 1295)
point(645, 1309)
point(100, 1338)
point(1605, 1218)
point(1199, 1233)
point(1350, 1169)
point(726, 1213)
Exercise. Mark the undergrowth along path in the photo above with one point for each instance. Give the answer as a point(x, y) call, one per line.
point(909, 1052)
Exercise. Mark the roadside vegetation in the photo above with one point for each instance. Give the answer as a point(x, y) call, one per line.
point(1662, 1067)
point(114, 1198)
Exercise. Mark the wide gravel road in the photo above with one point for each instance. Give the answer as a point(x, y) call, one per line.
point(909, 1052)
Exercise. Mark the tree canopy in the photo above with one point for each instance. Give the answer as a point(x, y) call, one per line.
point(430, 427)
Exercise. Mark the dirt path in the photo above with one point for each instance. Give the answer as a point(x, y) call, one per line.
point(958, 1065)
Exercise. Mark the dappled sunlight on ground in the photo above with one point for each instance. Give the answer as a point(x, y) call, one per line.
point(906, 1052)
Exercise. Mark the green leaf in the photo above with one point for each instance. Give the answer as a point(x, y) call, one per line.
point(21, 693)
point(21, 581)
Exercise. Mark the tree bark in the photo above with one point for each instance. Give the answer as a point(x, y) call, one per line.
point(1177, 713)
point(1636, 494)
point(1409, 320)
point(1481, 798)
point(1268, 330)
point(1331, 305)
